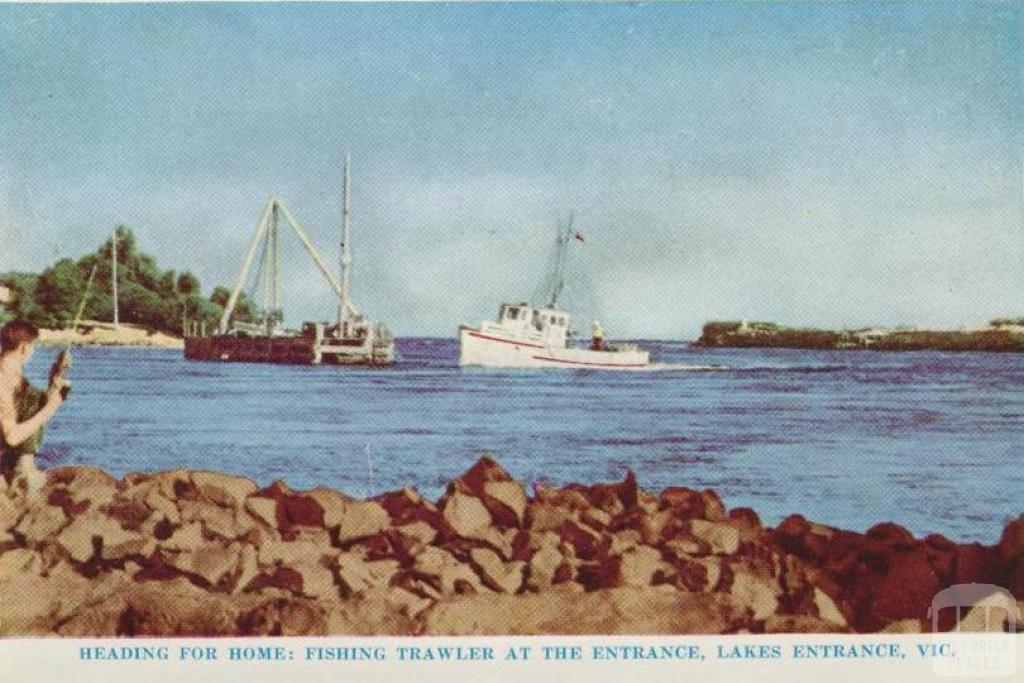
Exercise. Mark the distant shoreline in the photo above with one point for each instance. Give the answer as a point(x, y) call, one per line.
point(93, 333)
point(1000, 336)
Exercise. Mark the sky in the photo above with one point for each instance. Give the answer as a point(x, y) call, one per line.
point(820, 164)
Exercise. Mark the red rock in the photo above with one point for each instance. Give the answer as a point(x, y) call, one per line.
point(685, 503)
point(299, 511)
point(1011, 543)
point(281, 577)
point(714, 508)
point(905, 592)
point(746, 516)
point(483, 471)
point(975, 563)
point(892, 535)
point(583, 541)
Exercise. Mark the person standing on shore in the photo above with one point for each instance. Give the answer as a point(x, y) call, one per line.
point(23, 408)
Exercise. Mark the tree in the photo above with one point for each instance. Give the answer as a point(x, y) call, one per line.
point(58, 291)
point(188, 284)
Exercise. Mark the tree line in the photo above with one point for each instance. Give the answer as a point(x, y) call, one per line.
point(147, 296)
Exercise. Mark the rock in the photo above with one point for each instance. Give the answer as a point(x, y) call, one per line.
point(509, 494)
point(19, 561)
point(892, 535)
point(543, 565)
point(619, 611)
point(41, 523)
point(211, 563)
point(452, 576)
point(290, 553)
point(755, 593)
point(988, 615)
point(317, 581)
point(223, 489)
point(904, 592)
point(284, 616)
point(791, 623)
point(698, 574)
point(683, 503)
point(1011, 543)
point(379, 612)
point(96, 531)
point(596, 518)
point(247, 569)
point(495, 574)
point(904, 626)
point(217, 519)
point(420, 531)
point(264, 509)
point(359, 520)
point(283, 578)
point(357, 575)
point(189, 537)
point(723, 539)
point(174, 608)
point(827, 609)
point(714, 509)
point(546, 517)
point(640, 565)
point(299, 510)
point(467, 516)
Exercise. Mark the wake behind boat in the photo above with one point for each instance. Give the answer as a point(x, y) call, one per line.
point(527, 336)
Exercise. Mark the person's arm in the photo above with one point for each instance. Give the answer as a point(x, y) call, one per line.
point(15, 433)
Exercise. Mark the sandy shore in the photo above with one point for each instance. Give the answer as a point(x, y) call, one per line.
point(201, 553)
point(92, 333)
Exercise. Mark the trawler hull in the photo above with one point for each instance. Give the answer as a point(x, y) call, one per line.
point(489, 350)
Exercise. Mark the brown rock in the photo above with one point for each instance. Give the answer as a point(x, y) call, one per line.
point(467, 516)
point(211, 563)
point(723, 539)
point(755, 593)
point(620, 611)
point(223, 489)
point(359, 519)
point(284, 616)
point(683, 502)
point(41, 523)
point(542, 517)
point(791, 623)
point(640, 565)
point(264, 509)
point(508, 495)
point(543, 565)
point(495, 574)
point(714, 509)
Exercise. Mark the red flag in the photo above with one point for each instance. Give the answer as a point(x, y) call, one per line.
point(579, 236)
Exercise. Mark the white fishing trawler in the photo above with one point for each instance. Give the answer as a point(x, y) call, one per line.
point(528, 336)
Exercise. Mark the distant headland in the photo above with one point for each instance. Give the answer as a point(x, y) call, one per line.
point(1003, 334)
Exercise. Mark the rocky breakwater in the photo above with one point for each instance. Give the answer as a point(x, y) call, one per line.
point(200, 553)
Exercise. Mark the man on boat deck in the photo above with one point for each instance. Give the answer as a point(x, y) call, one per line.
point(23, 408)
point(597, 334)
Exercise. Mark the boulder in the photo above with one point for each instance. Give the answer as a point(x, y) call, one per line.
point(640, 565)
point(467, 517)
point(211, 563)
point(358, 519)
point(496, 574)
point(284, 616)
point(264, 509)
point(508, 495)
point(41, 523)
point(223, 489)
point(543, 565)
point(723, 539)
point(755, 593)
point(619, 611)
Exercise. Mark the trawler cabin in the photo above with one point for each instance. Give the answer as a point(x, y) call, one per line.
point(542, 324)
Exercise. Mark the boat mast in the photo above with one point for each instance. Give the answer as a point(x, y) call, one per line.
point(113, 277)
point(346, 254)
point(561, 253)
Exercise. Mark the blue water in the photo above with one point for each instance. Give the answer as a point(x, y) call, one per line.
point(931, 440)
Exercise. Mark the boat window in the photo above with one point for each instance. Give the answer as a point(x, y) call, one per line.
point(512, 313)
point(538, 320)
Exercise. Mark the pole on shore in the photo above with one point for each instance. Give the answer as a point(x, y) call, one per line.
point(113, 277)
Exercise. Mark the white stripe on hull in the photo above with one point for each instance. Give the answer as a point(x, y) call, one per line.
point(490, 351)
